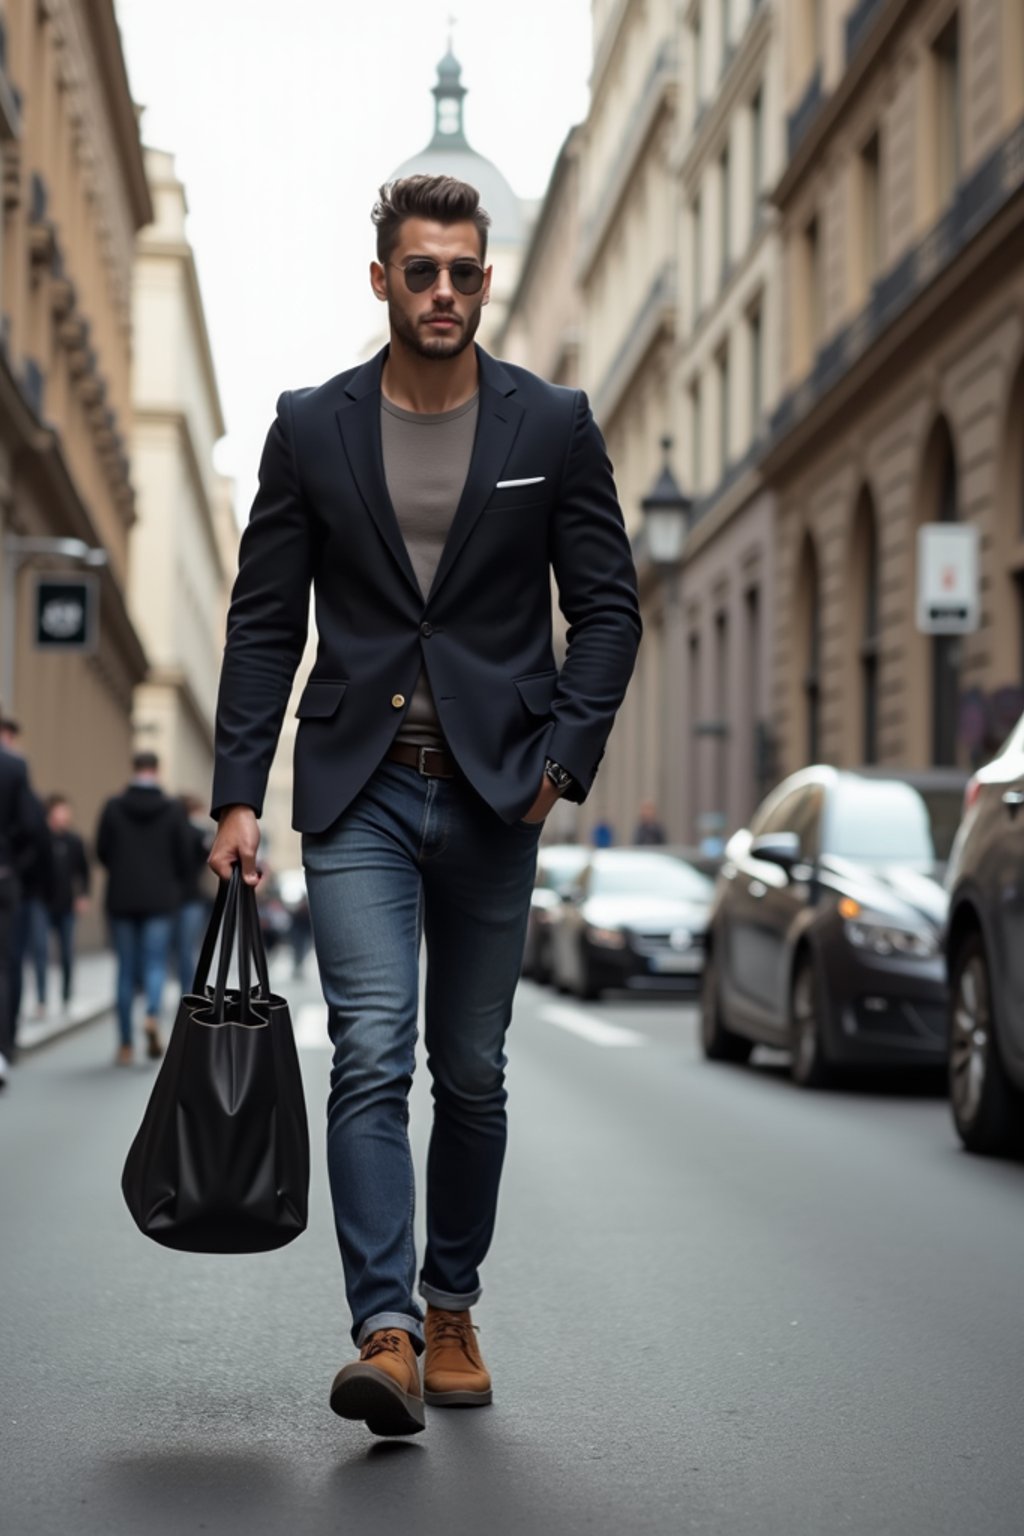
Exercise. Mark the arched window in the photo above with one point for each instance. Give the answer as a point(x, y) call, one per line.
point(947, 650)
point(866, 565)
point(809, 610)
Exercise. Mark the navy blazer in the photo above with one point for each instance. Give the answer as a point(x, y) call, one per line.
point(322, 515)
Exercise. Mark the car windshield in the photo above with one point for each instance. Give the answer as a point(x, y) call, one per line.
point(558, 867)
point(648, 874)
point(888, 822)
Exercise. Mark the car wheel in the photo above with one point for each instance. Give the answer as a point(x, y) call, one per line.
point(808, 1066)
point(987, 1110)
point(588, 990)
point(720, 1043)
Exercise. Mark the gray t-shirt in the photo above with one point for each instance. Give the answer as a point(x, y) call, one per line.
point(426, 461)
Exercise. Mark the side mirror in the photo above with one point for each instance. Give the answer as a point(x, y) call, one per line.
point(781, 848)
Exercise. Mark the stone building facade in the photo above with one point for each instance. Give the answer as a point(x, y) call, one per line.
point(902, 221)
point(74, 195)
point(184, 545)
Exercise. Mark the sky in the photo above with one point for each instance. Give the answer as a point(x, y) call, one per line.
point(285, 117)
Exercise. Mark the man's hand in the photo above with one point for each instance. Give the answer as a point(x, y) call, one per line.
point(237, 842)
point(546, 797)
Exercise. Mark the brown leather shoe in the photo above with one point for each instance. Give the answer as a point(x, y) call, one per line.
point(154, 1045)
point(382, 1386)
point(455, 1375)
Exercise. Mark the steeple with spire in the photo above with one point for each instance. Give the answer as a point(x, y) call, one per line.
point(449, 94)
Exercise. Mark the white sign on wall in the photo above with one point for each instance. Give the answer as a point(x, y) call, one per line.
point(948, 599)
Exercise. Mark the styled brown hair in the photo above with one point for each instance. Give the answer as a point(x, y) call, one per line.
point(441, 198)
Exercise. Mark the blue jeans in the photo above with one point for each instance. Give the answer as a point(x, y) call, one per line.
point(416, 858)
point(35, 942)
point(141, 945)
point(63, 925)
point(189, 927)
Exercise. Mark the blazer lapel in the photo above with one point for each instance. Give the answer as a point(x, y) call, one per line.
point(359, 424)
point(497, 425)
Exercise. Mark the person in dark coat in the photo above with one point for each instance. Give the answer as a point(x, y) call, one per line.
point(194, 909)
point(649, 830)
point(22, 832)
point(143, 842)
point(69, 884)
point(32, 869)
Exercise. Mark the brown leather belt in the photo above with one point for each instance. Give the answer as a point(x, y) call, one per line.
point(432, 762)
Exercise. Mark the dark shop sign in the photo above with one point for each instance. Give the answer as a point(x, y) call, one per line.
point(66, 610)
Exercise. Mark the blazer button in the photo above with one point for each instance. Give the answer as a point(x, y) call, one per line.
point(426, 630)
point(397, 701)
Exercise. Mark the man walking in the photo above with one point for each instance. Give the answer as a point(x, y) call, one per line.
point(143, 842)
point(22, 836)
point(427, 495)
point(69, 884)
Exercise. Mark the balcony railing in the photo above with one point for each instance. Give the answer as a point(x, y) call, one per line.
point(977, 201)
point(799, 120)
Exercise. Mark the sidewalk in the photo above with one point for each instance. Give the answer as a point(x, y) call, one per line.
point(93, 997)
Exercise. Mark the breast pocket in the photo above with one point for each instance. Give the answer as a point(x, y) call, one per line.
point(516, 498)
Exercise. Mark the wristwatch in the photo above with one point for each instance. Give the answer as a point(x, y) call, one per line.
point(560, 777)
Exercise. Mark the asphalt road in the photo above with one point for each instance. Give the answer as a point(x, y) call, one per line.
point(716, 1305)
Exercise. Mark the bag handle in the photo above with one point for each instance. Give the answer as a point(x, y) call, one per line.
point(235, 905)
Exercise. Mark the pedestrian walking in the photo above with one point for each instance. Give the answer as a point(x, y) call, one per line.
point(427, 495)
point(69, 885)
point(22, 833)
point(143, 842)
point(29, 931)
point(190, 921)
point(649, 830)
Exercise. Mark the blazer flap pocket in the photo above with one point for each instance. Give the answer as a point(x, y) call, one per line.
point(319, 699)
point(537, 691)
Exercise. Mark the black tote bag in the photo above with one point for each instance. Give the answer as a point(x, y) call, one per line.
point(221, 1161)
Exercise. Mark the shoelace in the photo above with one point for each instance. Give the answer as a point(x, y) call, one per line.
point(382, 1343)
point(452, 1328)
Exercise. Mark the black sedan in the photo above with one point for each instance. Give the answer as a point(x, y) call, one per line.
point(634, 917)
point(985, 957)
point(825, 935)
point(558, 864)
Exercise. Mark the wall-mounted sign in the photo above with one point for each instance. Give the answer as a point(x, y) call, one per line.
point(948, 597)
point(66, 612)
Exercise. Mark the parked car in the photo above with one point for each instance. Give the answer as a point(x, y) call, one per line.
point(633, 917)
point(558, 864)
point(826, 930)
point(984, 946)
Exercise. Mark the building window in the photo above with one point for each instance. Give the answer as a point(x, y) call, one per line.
point(696, 438)
point(815, 286)
point(757, 153)
point(869, 646)
point(698, 258)
point(948, 126)
point(723, 410)
point(756, 370)
point(871, 210)
point(725, 192)
point(722, 715)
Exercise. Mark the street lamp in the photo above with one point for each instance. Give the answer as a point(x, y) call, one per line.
point(19, 551)
point(666, 513)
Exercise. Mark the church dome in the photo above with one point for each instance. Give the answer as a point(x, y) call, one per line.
point(449, 154)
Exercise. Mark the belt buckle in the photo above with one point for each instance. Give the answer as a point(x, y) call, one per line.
point(422, 764)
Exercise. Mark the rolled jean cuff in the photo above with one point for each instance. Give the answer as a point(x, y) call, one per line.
point(412, 1325)
point(447, 1301)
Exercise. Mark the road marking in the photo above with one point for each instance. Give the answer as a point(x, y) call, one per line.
point(311, 1027)
point(597, 1031)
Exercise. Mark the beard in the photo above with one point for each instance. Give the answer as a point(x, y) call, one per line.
point(441, 348)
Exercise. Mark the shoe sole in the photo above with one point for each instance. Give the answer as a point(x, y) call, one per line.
point(363, 1392)
point(458, 1399)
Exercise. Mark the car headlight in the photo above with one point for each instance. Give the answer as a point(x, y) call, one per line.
point(607, 938)
point(885, 938)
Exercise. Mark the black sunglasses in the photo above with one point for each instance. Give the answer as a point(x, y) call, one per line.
point(421, 273)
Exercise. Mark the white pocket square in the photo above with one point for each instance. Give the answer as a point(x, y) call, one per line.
point(505, 485)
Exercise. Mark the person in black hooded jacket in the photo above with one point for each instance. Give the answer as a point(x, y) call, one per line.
point(143, 842)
